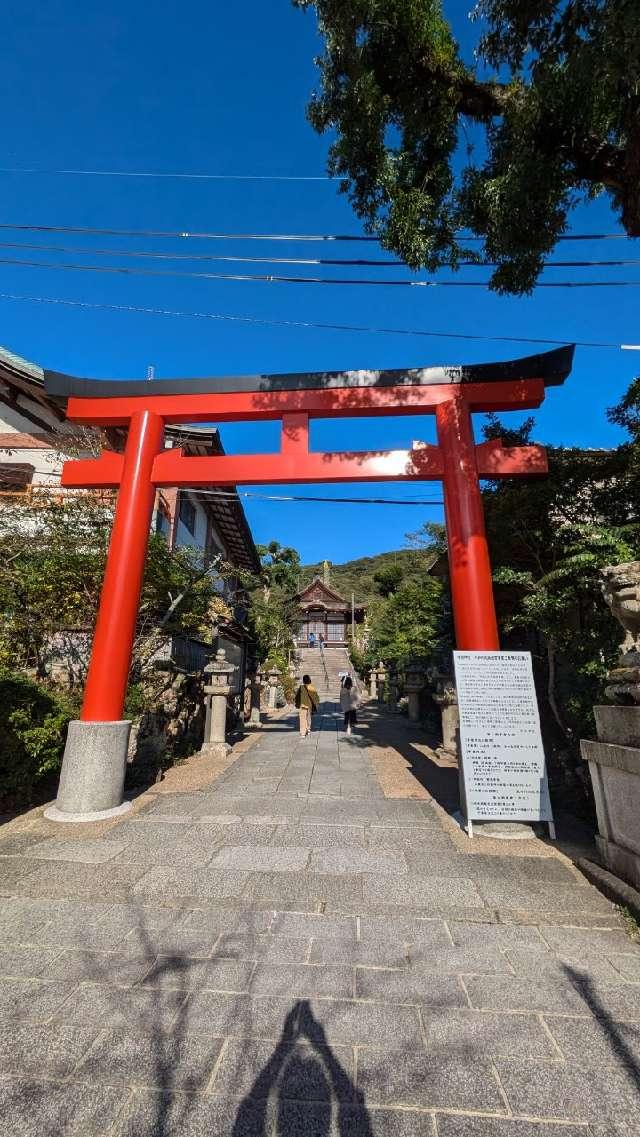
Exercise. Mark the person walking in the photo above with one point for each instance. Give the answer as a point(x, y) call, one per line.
point(348, 702)
point(307, 701)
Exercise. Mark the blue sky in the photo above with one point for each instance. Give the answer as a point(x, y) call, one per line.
point(222, 89)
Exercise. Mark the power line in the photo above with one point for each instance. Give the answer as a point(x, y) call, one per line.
point(265, 322)
point(344, 262)
point(275, 278)
point(206, 235)
point(234, 494)
point(180, 175)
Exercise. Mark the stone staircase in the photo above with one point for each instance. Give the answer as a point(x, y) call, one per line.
point(336, 660)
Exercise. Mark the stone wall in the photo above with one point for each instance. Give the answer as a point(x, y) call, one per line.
point(171, 728)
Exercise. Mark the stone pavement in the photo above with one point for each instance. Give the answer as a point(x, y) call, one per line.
point(290, 953)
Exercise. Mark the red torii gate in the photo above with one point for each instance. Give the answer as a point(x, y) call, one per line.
point(451, 393)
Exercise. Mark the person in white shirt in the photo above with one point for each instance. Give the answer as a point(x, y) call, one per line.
point(348, 703)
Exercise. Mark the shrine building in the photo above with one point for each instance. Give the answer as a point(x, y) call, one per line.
point(325, 613)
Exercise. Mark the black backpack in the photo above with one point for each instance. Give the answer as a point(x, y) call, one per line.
point(298, 698)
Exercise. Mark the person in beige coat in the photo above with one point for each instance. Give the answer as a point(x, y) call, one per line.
point(307, 701)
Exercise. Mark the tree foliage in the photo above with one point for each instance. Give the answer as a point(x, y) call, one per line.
point(280, 567)
point(52, 557)
point(427, 144)
point(548, 539)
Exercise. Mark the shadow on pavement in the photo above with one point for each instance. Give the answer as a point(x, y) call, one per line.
point(302, 1069)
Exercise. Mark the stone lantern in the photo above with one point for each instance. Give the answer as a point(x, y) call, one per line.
point(392, 690)
point(373, 689)
point(273, 678)
point(255, 681)
point(381, 678)
point(217, 690)
point(414, 682)
point(445, 696)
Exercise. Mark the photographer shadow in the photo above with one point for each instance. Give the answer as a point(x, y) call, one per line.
point(303, 1087)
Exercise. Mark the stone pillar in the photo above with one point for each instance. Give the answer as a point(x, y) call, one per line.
point(414, 682)
point(255, 722)
point(373, 689)
point(614, 760)
point(381, 677)
point(274, 680)
point(392, 691)
point(446, 697)
point(217, 691)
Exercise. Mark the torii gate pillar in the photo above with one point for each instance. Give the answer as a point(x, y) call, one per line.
point(92, 778)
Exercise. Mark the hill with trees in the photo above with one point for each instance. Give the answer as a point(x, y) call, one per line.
point(369, 577)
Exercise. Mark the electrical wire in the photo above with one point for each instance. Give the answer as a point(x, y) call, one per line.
point(179, 175)
point(274, 278)
point(234, 494)
point(149, 254)
point(206, 235)
point(266, 322)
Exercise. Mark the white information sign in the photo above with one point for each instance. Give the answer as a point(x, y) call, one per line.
point(503, 764)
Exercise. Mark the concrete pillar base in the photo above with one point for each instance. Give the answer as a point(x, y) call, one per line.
point(92, 775)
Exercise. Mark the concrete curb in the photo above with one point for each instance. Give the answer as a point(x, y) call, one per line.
point(611, 886)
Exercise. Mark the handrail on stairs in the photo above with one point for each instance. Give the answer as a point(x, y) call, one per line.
point(324, 667)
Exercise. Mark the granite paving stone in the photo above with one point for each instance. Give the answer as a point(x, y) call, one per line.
point(248, 858)
point(17, 844)
point(420, 892)
point(449, 1126)
point(620, 1002)
point(234, 945)
point(94, 852)
point(319, 927)
point(597, 1041)
point(302, 981)
point(466, 1035)
point(560, 966)
point(308, 890)
point(31, 1000)
point(161, 882)
point(148, 1114)
point(321, 836)
point(496, 935)
point(26, 960)
point(13, 870)
point(559, 1092)
point(411, 985)
point(627, 965)
point(174, 940)
point(406, 929)
point(30, 1108)
point(352, 860)
point(419, 1079)
point(218, 921)
point(117, 1007)
point(502, 993)
point(251, 1067)
point(114, 968)
point(359, 1023)
point(184, 974)
point(222, 1015)
point(125, 1059)
point(572, 940)
point(43, 1051)
point(66, 880)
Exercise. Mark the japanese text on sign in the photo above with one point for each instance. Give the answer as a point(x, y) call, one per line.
point(502, 756)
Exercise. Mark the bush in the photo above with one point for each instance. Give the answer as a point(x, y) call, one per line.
point(33, 730)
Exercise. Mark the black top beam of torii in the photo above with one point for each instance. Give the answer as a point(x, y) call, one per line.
point(552, 367)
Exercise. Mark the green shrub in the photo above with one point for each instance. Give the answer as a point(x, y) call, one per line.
point(33, 728)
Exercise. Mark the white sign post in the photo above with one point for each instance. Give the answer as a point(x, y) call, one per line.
point(503, 768)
